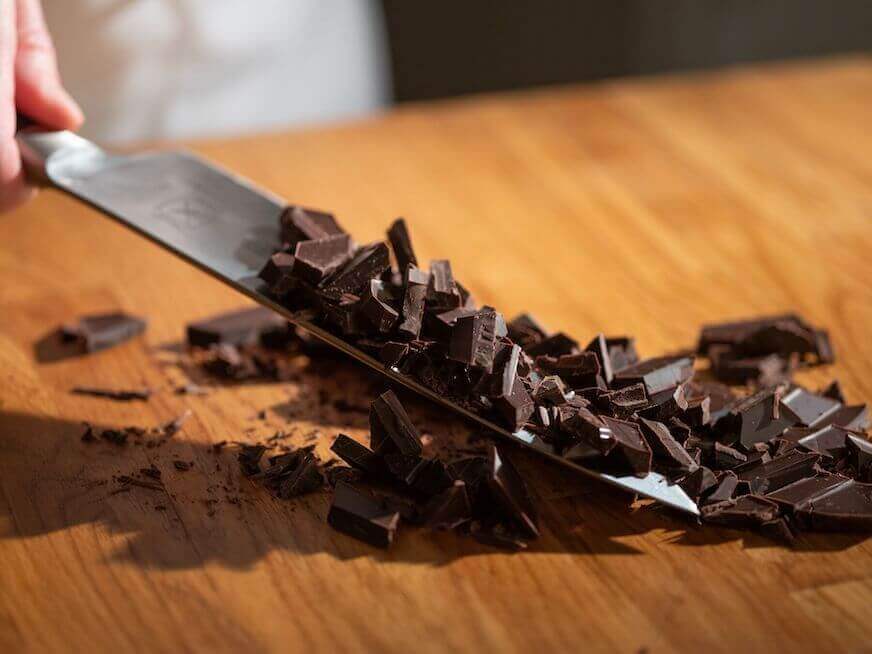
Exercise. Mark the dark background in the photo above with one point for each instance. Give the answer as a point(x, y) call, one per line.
point(451, 47)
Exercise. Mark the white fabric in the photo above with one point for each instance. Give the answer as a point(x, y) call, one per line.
point(146, 69)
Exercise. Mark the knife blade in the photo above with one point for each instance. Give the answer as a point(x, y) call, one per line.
point(227, 227)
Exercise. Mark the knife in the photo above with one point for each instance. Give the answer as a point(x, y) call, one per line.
point(227, 227)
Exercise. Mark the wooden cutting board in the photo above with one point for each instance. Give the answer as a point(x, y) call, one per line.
point(642, 207)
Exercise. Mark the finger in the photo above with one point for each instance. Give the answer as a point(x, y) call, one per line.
point(38, 89)
point(12, 187)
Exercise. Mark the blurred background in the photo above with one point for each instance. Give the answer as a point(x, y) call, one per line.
point(192, 68)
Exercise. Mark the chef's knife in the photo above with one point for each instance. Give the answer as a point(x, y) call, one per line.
point(224, 225)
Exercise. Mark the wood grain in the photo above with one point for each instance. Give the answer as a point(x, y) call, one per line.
point(642, 207)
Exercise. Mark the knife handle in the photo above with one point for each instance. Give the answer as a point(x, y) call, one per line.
point(39, 145)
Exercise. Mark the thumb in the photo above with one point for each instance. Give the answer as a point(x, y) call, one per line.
point(38, 90)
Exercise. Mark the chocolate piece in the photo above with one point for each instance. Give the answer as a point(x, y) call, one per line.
point(625, 401)
point(763, 371)
point(442, 292)
point(249, 459)
point(450, 509)
point(846, 507)
point(726, 487)
point(555, 345)
point(276, 273)
point(369, 262)
point(401, 244)
point(834, 391)
point(550, 391)
point(101, 331)
point(578, 370)
point(473, 338)
point(112, 394)
point(391, 430)
point(416, 283)
point(508, 369)
point(726, 457)
point(807, 409)
point(629, 445)
point(801, 491)
point(600, 347)
point(732, 333)
point(721, 398)
point(747, 511)
point(525, 331)
point(697, 412)
point(242, 327)
point(698, 482)
point(361, 517)
point(860, 455)
point(580, 424)
point(358, 456)
point(375, 306)
point(429, 477)
point(306, 477)
point(622, 352)
point(830, 441)
point(778, 530)
point(515, 409)
point(665, 447)
point(665, 404)
point(441, 324)
point(777, 473)
point(658, 374)
point(510, 492)
point(315, 260)
point(392, 353)
point(758, 418)
point(301, 224)
point(854, 417)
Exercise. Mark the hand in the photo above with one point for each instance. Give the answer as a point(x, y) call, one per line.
point(30, 82)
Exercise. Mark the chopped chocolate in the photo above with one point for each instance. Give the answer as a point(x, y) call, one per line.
point(414, 298)
point(625, 401)
point(442, 291)
point(315, 260)
point(622, 352)
point(807, 409)
point(845, 507)
point(697, 482)
point(853, 417)
point(834, 392)
point(725, 457)
point(747, 511)
point(830, 441)
point(665, 404)
point(301, 224)
point(243, 327)
point(375, 306)
point(392, 353)
point(658, 374)
point(510, 492)
point(665, 447)
point(277, 274)
point(796, 494)
point(758, 418)
point(249, 459)
point(473, 339)
point(368, 263)
point(100, 331)
point(112, 394)
point(306, 477)
point(88, 435)
point(362, 517)
point(600, 348)
point(550, 391)
point(779, 472)
point(578, 370)
point(516, 408)
point(860, 455)
point(555, 345)
point(525, 331)
point(450, 509)
point(390, 427)
point(630, 445)
point(725, 489)
point(401, 244)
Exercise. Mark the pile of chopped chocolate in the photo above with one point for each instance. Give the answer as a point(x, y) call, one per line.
point(770, 455)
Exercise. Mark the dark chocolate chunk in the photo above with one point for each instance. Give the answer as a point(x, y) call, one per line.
point(362, 517)
point(666, 404)
point(113, 394)
point(726, 457)
point(629, 445)
point(724, 491)
point(778, 530)
point(860, 455)
point(697, 412)
point(414, 297)
point(249, 459)
point(625, 401)
point(555, 345)
point(830, 441)
point(101, 331)
point(578, 370)
point(510, 492)
point(762, 371)
point(747, 511)
point(758, 418)
point(301, 224)
point(473, 339)
point(306, 477)
point(391, 430)
point(358, 456)
point(442, 291)
point(600, 347)
point(401, 244)
point(801, 491)
point(834, 391)
point(525, 331)
point(854, 417)
point(392, 353)
point(697, 482)
point(846, 507)
point(315, 260)
point(375, 306)
point(658, 374)
point(450, 509)
point(664, 446)
point(779, 472)
point(807, 409)
point(622, 352)
point(515, 409)
point(369, 262)
point(277, 274)
point(242, 327)
point(550, 391)
point(721, 398)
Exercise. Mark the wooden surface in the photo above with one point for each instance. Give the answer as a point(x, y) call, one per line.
point(642, 207)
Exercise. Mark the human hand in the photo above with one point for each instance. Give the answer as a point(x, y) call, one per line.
point(29, 83)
